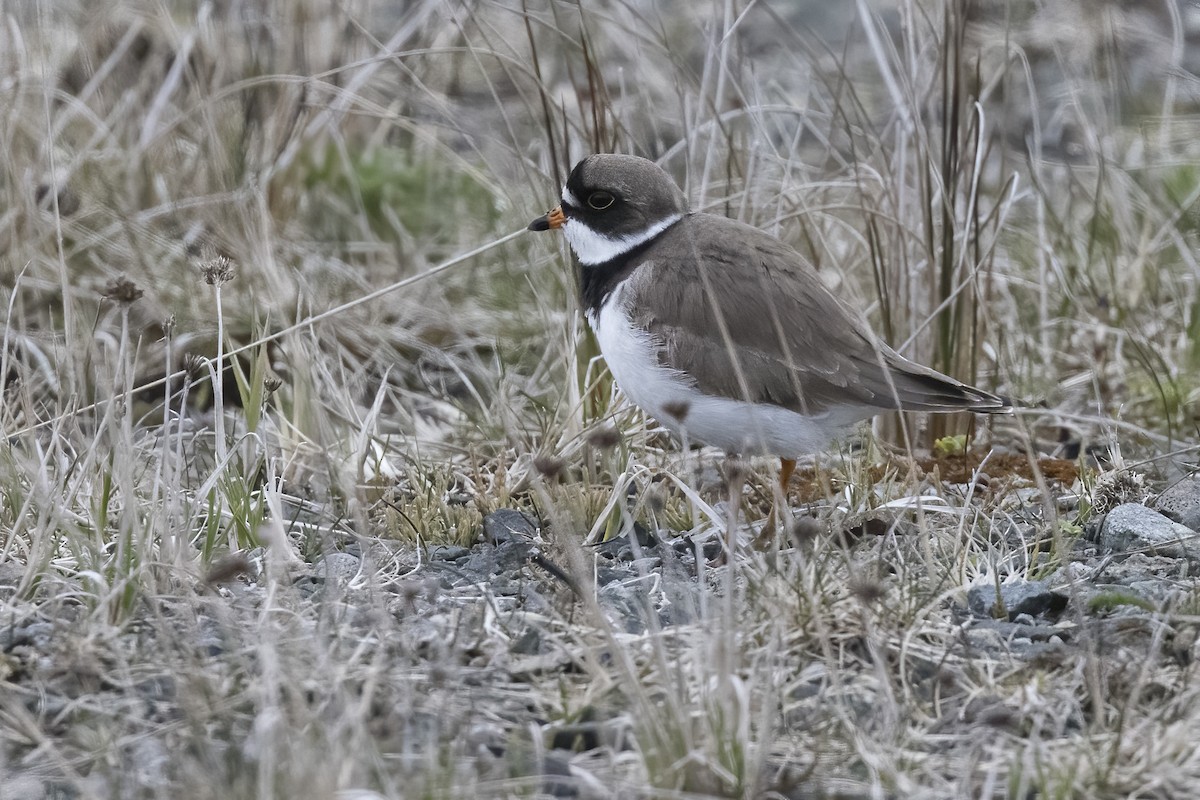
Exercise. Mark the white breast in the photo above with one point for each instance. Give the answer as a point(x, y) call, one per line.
point(735, 426)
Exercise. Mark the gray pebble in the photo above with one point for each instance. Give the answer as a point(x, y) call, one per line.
point(23, 787)
point(1158, 592)
point(36, 635)
point(1132, 526)
point(506, 524)
point(507, 559)
point(1026, 599)
point(1181, 502)
point(623, 605)
point(1033, 632)
point(447, 552)
point(340, 568)
point(528, 643)
point(208, 637)
point(986, 639)
point(11, 574)
point(557, 780)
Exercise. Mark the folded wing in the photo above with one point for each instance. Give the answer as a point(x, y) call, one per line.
point(753, 321)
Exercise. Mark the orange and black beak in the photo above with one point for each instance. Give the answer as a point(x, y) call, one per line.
point(549, 221)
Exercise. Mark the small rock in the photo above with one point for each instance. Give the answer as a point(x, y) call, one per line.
point(987, 639)
point(991, 710)
point(506, 524)
point(621, 547)
point(623, 605)
point(447, 552)
point(1032, 632)
point(340, 568)
point(1132, 526)
point(11, 574)
point(709, 546)
point(605, 574)
point(23, 787)
point(1158, 592)
point(1181, 502)
point(37, 635)
point(1033, 598)
point(557, 780)
point(528, 643)
point(208, 637)
point(506, 559)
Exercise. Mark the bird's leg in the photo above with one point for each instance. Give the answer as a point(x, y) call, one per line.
point(787, 466)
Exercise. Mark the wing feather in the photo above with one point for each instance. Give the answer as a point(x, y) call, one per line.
point(752, 320)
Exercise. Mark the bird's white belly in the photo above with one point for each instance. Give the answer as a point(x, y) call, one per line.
point(668, 395)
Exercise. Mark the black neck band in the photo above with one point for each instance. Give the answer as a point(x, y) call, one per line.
point(597, 281)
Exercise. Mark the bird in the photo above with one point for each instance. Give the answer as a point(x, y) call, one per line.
point(721, 332)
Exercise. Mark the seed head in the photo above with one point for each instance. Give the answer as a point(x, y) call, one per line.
point(604, 438)
point(656, 498)
point(866, 590)
point(549, 466)
point(195, 364)
point(217, 271)
point(734, 471)
point(123, 290)
point(229, 569)
point(677, 409)
point(1116, 487)
point(805, 529)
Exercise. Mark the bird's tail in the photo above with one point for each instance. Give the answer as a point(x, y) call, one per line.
point(919, 388)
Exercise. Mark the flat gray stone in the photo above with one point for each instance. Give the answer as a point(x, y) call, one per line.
point(23, 787)
point(487, 564)
point(1032, 632)
point(508, 524)
point(37, 635)
point(1181, 502)
point(1033, 598)
point(447, 552)
point(1135, 527)
point(338, 568)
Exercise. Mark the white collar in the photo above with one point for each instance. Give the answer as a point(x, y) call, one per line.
point(592, 248)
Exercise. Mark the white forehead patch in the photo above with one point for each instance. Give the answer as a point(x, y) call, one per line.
point(570, 199)
point(593, 248)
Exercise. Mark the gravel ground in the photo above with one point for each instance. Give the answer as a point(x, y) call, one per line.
point(453, 649)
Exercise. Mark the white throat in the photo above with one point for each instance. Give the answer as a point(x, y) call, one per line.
point(592, 248)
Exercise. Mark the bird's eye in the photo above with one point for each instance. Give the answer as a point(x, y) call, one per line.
point(600, 200)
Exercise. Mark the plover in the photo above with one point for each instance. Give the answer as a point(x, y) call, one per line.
point(723, 333)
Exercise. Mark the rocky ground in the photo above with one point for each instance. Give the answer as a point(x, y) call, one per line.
point(447, 652)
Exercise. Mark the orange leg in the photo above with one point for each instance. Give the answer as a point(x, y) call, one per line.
point(786, 467)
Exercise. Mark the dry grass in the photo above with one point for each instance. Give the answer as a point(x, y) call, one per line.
point(1011, 190)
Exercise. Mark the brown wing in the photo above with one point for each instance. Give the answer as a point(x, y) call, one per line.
point(753, 321)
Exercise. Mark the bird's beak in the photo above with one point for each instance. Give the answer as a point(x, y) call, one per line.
point(549, 221)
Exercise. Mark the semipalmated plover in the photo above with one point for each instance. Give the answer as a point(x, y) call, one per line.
point(720, 331)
